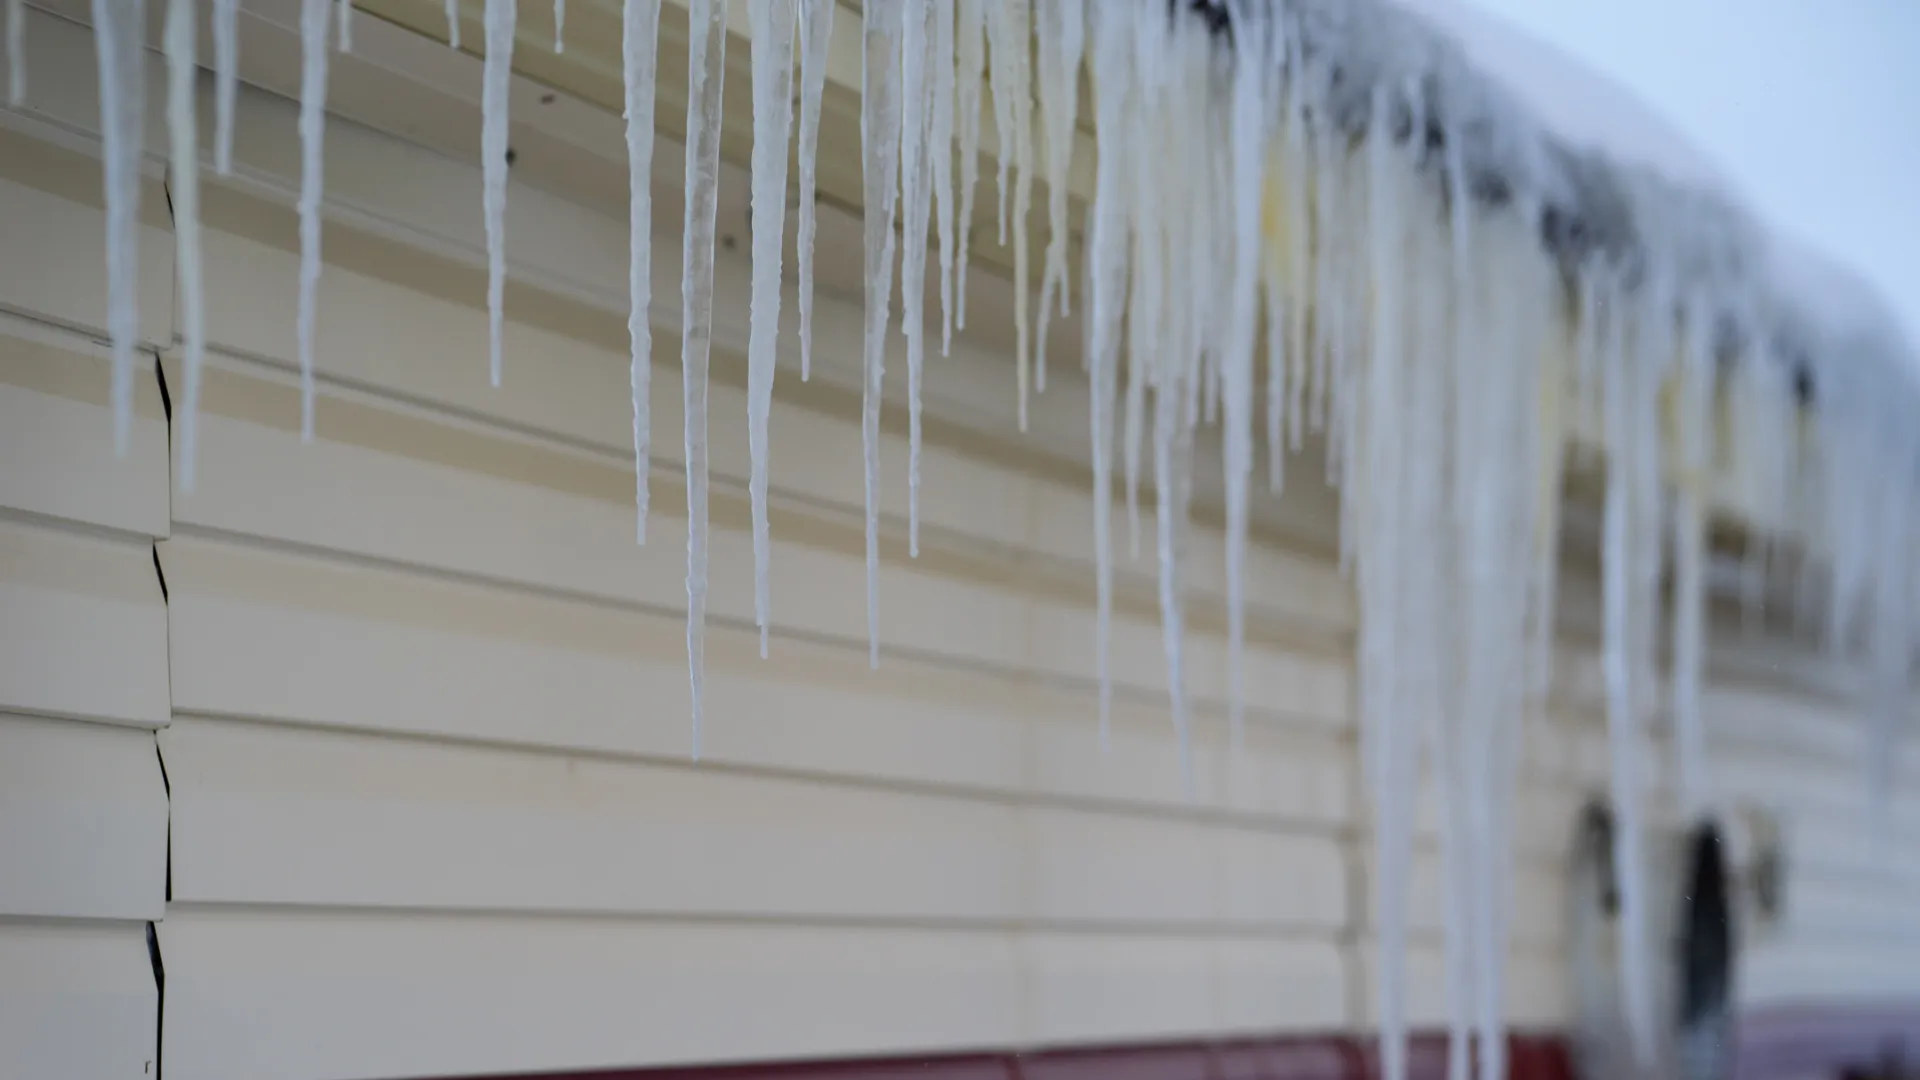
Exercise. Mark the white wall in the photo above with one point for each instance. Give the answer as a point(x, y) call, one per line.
point(422, 705)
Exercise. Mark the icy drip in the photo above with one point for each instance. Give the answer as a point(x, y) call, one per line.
point(1295, 253)
point(1107, 256)
point(1250, 112)
point(1147, 317)
point(772, 23)
point(971, 47)
point(816, 18)
point(226, 59)
point(559, 26)
point(1629, 570)
point(16, 52)
point(346, 25)
point(496, 82)
point(313, 114)
point(1013, 107)
point(184, 165)
point(1385, 619)
point(118, 28)
point(940, 150)
point(640, 42)
point(1062, 32)
point(707, 69)
point(453, 23)
point(916, 194)
point(880, 117)
point(1693, 407)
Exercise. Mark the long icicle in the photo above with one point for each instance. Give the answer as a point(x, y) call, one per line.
point(183, 164)
point(1107, 262)
point(453, 24)
point(226, 83)
point(1623, 388)
point(707, 55)
point(1689, 542)
point(816, 18)
point(773, 27)
point(16, 52)
point(880, 109)
point(940, 150)
point(346, 26)
point(559, 26)
point(916, 203)
point(1250, 110)
point(313, 117)
point(640, 43)
point(502, 17)
point(1062, 31)
point(118, 27)
point(969, 83)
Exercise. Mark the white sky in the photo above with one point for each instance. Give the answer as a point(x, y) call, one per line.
point(1810, 108)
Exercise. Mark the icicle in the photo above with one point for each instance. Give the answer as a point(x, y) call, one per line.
point(1248, 143)
point(972, 47)
point(497, 79)
point(1146, 314)
point(1626, 384)
point(772, 22)
point(184, 165)
point(118, 29)
point(916, 196)
point(707, 69)
point(640, 42)
point(1006, 27)
point(1172, 445)
point(1693, 417)
point(1063, 33)
point(226, 56)
point(453, 24)
point(1277, 325)
point(1013, 109)
point(346, 26)
point(559, 26)
point(16, 52)
point(1107, 255)
point(880, 115)
point(940, 148)
point(313, 115)
point(1390, 758)
point(816, 17)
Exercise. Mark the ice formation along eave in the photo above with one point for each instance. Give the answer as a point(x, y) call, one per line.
point(1326, 193)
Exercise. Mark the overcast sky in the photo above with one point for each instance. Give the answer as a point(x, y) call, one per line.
point(1811, 108)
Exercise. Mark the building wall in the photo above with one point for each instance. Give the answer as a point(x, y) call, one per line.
point(377, 746)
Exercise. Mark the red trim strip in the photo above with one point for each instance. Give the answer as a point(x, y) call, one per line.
point(1326, 1057)
point(1780, 1043)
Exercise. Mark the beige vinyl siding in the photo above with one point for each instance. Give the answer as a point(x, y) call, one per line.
point(423, 704)
point(83, 632)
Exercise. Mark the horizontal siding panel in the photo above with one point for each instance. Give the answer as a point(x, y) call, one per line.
point(1537, 986)
point(334, 997)
point(346, 645)
point(56, 433)
point(488, 505)
point(1537, 898)
point(77, 1000)
point(282, 816)
point(581, 395)
point(267, 815)
point(83, 821)
point(83, 627)
point(50, 202)
point(1101, 988)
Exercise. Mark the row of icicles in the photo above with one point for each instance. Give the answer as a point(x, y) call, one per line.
point(1425, 339)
